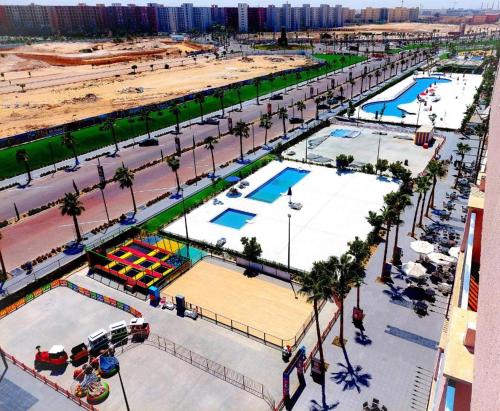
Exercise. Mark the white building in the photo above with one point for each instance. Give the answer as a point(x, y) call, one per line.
point(243, 17)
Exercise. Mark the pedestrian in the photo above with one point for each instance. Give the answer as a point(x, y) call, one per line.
point(451, 158)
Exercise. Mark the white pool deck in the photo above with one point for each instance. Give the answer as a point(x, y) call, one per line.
point(333, 213)
point(455, 97)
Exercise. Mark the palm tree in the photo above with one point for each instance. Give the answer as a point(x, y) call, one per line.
point(422, 185)
point(257, 82)
point(125, 179)
point(265, 123)
point(68, 141)
point(360, 250)
point(400, 202)
point(317, 101)
point(219, 93)
point(200, 99)
point(298, 77)
point(462, 150)
point(176, 112)
point(72, 206)
point(146, 117)
point(283, 115)
point(363, 76)
point(352, 83)
point(435, 169)
point(134, 68)
point(370, 81)
point(392, 68)
point(301, 106)
point(241, 130)
point(382, 165)
point(388, 217)
point(22, 157)
point(210, 143)
point(174, 163)
point(316, 286)
point(3, 274)
point(237, 88)
point(109, 124)
point(343, 270)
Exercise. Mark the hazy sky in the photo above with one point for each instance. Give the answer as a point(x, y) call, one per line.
point(347, 3)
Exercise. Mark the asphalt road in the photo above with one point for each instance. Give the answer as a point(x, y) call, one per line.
point(38, 234)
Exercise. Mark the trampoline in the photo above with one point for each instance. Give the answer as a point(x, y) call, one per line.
point(119, 253)
point(162, 269)
point(117, 267)
point(132, 258)
point(147, 279)
point(140, 248)
point(161, 255)
point(146, 263)
point(132, 273)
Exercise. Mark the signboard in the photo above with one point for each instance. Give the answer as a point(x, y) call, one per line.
point(178, 145)
point(102, 178)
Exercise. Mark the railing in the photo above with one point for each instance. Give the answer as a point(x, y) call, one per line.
point(72, 286)
point(244, 329)
point(47, 381)
point(217, 370)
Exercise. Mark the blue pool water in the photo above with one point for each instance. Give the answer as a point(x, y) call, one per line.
point(233, 218)
point(273, 188)
point(407, 96)
point(343, 133)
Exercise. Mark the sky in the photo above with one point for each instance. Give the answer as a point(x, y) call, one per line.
point(356, 4)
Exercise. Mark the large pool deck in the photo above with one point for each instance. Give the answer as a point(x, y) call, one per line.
point(452, 94)
point(334, 207)
point(395, 145)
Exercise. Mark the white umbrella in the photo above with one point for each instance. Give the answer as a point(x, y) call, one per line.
point(440, 259)
point(422, 247)
point(415, 270)
point(454, 251)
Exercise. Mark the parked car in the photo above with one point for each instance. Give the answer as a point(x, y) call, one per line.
point(149, 142)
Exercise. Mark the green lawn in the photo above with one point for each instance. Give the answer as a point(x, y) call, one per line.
point(174, 212)
point(92, 138)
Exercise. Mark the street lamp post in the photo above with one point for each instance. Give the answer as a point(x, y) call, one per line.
point(291, 282)
point(123, 390)
point(253, 137)
point(185, 222)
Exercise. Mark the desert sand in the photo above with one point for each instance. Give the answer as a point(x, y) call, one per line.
point(52, 105)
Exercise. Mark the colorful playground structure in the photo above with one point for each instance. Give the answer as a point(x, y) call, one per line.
point(141, 264)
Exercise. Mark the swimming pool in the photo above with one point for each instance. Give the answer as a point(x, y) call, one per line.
point(273, 188)
point(344, 133)
point(407, 96)
point(233, 218)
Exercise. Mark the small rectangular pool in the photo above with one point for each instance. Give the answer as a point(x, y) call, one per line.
point(272, 189)
point(233, 218)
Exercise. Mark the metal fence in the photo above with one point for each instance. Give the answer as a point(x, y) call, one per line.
point(217, 370)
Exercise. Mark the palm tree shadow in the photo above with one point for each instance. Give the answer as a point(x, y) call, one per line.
point(324, 406)
point(351, 377)
point(362, 339)
point(395, 292)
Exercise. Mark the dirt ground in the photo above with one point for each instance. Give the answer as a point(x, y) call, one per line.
point(262, 304)
point(50, 104)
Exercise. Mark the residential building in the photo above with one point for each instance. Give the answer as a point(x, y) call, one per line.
point(256, 19)
point(306, 16)
point(243, 17)
point(286, 16)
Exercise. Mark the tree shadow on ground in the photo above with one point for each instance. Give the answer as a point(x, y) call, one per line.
point(324, 406)
point(395, 292)
point(351, 376)
point(362, 339)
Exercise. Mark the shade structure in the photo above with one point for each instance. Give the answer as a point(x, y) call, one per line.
point(232, 179)
point(440, 259)
point(414, 270)
point(454, 251)
point(422, 247)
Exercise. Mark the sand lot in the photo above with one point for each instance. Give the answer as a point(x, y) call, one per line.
point(262, 304)
point(53, 105)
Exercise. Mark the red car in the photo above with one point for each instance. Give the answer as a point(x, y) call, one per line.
point(55, 357)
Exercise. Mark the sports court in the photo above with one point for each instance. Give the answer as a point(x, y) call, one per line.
point(267, 305)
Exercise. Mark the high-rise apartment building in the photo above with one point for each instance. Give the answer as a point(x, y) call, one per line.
point(243, 17)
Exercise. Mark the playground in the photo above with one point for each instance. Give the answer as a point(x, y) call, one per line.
point(59, 316)
point(426, 99)
point(264, 304)
point(329, 210)
point(362, 142)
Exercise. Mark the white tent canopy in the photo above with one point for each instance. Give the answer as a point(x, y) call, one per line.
point(422, 247)
point(414, 270)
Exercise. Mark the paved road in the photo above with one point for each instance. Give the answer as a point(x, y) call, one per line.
point(40, 233)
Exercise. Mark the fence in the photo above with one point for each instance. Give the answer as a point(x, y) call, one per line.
point(72, 286)
point(244, 329)
point(217, 370)
point(46, 381)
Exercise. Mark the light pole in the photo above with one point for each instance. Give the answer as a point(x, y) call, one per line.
point(102, 184)
point(253, 137)
point(291, 282)
point(185, 221)
point(123, 390)
point(418, 114)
